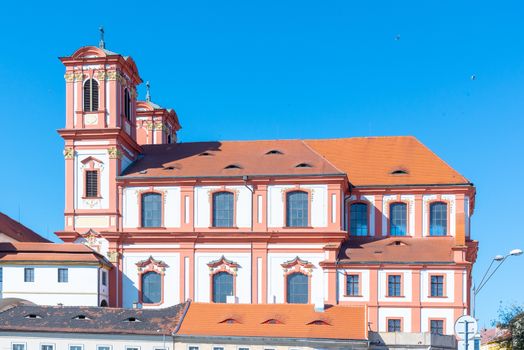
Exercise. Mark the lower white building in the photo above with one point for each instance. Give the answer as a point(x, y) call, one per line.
point(53, 273)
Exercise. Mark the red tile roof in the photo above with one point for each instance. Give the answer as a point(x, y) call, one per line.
point(49, 253)
point(17, 231)
point(229, 159)
point(367, 161)
point(371, 161)
point(293, 321)
point(383, 250)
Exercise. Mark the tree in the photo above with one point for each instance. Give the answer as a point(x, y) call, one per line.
point(511, 317)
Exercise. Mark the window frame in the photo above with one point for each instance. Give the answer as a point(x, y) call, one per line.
point(368, 208)
point(286, 194)
point(86, 194)
point(104, 277)
point(91, 109)
point(286, 286)
point(32, 274)
point(53, 347)
point(430, 282)
point(390, 218)
point(213, 275)
point(141, 287)
point(110, 347)
point(69, 346)
point(359, 284)
point(448, 217)
point(141, 203)
point(212, 195)
point(401, 284)
point(18, 343)
point(127, 105)
point(443, 320)
point(401, 324)
point(61, 269)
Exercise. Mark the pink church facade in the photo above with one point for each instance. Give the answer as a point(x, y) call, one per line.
point(381, 222)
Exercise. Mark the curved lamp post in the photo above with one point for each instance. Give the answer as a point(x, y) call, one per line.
point(487, 275)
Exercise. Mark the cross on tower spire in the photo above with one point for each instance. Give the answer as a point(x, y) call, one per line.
point(102, 43)
point(148, 94)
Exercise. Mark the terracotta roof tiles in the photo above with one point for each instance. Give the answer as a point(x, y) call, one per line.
point(17, 231)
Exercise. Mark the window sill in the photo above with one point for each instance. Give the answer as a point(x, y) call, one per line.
point(97, 197)
point(298, 227)
point(395, 296)
point(437, 296)
point(353, 296)
point(223, 228)
point(161, 228)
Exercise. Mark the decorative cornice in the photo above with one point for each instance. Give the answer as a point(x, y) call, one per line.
point(297, 261)
point(223, 261)
point(151, 265)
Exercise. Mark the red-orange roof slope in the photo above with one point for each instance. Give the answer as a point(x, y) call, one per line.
point(17, 231)
point(275, 320)
point(390, 160)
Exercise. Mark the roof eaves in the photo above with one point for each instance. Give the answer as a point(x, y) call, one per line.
point(128, 177)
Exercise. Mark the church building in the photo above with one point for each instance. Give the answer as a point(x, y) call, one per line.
point(380, 222)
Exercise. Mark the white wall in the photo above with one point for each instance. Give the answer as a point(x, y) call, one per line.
point(102, 156)
point(61, 341)
point(171, 278)
point(364, 285)
point(276, 280)
point(276, 198)
point(406, 284)
point(394, 312)
point(203, 280)
point(449, 286)
point(202, 205)
point(441, 313)
point(131, 205)
point(81, 288)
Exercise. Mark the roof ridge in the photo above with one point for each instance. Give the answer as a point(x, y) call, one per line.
point(320, 155)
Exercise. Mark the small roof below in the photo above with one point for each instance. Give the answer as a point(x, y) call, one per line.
point(383, 250)
point(95, 319)
point(275, 320)
point(17, 231)
point(46, 253)
point(230, 159)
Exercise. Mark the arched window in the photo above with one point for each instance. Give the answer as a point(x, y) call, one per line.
point(90, 95)
point(151, 288)
point(223, 209)
point(297, 209)
point(398, 219)
point(222, 286)
point(438, 219)
point(297, 288)
point(358, 215)
point(151, 210)
point(127, 104)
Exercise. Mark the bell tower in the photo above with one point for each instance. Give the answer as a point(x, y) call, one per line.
point(99, 135)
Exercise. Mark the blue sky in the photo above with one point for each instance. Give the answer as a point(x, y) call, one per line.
point(289, 69)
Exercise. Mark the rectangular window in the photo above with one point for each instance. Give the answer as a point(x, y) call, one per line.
point(18, 346)
point(132, 348)
point(29, 274)
point(103, 347)
point(47, 347)
point(193, 348)
point(91, 183)
point(437, 326)
point(218, 348)
point(358, 219)
point(394, 325)
point(104, 278)
point(63, 275)
point(243, 348)
point(394, 285)
point(76, 347)
point(398, 219)
point(1, 274)
point(352, 285)
point(437, 286)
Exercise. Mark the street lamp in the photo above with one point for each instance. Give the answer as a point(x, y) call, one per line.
point(498, 258)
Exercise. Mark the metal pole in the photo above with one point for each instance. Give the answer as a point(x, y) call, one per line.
point(466, 335)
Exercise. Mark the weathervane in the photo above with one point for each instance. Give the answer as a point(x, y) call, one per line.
point(102, 43)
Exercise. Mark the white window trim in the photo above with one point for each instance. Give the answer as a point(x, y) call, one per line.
point(103, 345)
point(189, 346)
point(214, 347)
point(18, 343)
point(80, 345)
point(128, 347)
point(243, 347)
point(47, 344)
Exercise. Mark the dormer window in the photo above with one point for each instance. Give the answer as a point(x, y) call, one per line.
point(399, 172)
point(303, 165)
point(81, 317)
point(272, 321)
point(205, 154)
point(319, 323)
point(274, 151)
point(33, 316)
point(233, 166)
point(132, 319)
point(230, 321)
point(90, 95)
point(127, 105)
